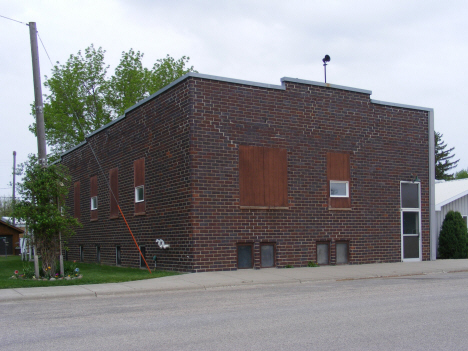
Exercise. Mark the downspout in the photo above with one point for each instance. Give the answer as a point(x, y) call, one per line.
point(432, 217)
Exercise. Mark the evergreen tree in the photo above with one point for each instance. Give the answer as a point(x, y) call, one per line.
point(453, 238)
point(443, 158)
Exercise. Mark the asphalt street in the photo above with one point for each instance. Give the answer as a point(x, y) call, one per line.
point(420, 312)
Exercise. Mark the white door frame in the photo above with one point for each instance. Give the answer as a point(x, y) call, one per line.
point(416, 210)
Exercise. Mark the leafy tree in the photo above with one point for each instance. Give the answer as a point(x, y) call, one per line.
point(453, 238)
point(6, 207)
point(42, 194)
point(443, 158)
point(129, 84)
point(75, 105)
point(167, 70)
point(81, 97)
point(132, 82)
point(462, 174)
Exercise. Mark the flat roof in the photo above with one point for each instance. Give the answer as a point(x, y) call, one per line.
point(244, 82)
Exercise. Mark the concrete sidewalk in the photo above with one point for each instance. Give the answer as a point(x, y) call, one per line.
point(243, 277)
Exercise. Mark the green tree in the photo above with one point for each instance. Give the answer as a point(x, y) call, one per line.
point(6, 207)
point(167, 70)
point(81, 98)
point(453, 238)
point(129, 84)
point(42, 195)
point(461, 174)
point(75, 105)
point(443, 158)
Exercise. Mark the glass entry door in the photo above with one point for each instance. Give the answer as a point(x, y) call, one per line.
point(410, 221)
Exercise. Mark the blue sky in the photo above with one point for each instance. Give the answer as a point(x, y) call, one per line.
point(409, 52)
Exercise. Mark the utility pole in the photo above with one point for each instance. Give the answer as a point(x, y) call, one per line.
point(39, 107)
point(14, 180)
point(38, 104)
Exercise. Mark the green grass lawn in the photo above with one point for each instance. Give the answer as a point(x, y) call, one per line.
point(93, 273)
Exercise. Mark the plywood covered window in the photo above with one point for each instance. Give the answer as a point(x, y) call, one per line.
point(139, 176)
point(76, 200)
point(339, 180)
point(93, 192)
point(114, 192)
point(263, 176)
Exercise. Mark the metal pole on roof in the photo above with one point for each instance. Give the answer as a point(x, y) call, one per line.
point(325, 60)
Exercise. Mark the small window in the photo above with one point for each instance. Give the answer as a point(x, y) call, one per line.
point(139, 182)
point(339, 188)
point(339, 180)
point(323, 253)
point(94, 204)
point(118, 258)
point(98, 254)
point(342, 252)
point(244, 256)
point(140, 193)
point(267, 255)
point(409, 195)
point(114, 192)
point(81, 253)
point(143, 253)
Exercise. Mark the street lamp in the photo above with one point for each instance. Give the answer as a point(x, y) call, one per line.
point(325, 60)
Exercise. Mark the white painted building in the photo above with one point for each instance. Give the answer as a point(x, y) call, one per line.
point(450, 196)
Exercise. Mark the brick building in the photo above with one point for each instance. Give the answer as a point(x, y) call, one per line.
point(236, 174)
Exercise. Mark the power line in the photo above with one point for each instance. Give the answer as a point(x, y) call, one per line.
point(45, 49)
point(27, 24)
point(11, 19)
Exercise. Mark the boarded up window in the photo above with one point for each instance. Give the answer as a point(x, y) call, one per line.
point(244, 256)
point(338, 172)
point(76, 200)
point(114, 192)
point(323, 253)
point(139, 173)
point(93, 191)
point(263, 176)
point(342, 252)
point(267, 255)
point(143, 255)
point(118, 257)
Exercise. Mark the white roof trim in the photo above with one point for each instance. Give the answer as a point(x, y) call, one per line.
point(456, 197)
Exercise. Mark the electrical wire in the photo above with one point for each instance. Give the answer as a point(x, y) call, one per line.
point(11, 19)
point(45, 49)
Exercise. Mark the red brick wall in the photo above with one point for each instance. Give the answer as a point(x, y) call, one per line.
point(386, 145)
point(190, 137)
point(157, 131)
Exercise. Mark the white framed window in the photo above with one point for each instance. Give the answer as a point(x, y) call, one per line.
point(94, 203)
point(339, 188)
point(140, 193)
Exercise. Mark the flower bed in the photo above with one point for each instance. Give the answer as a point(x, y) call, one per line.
point(70, 269)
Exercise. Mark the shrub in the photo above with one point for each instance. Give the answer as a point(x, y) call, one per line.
point(312, 264)
point(453, 239)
